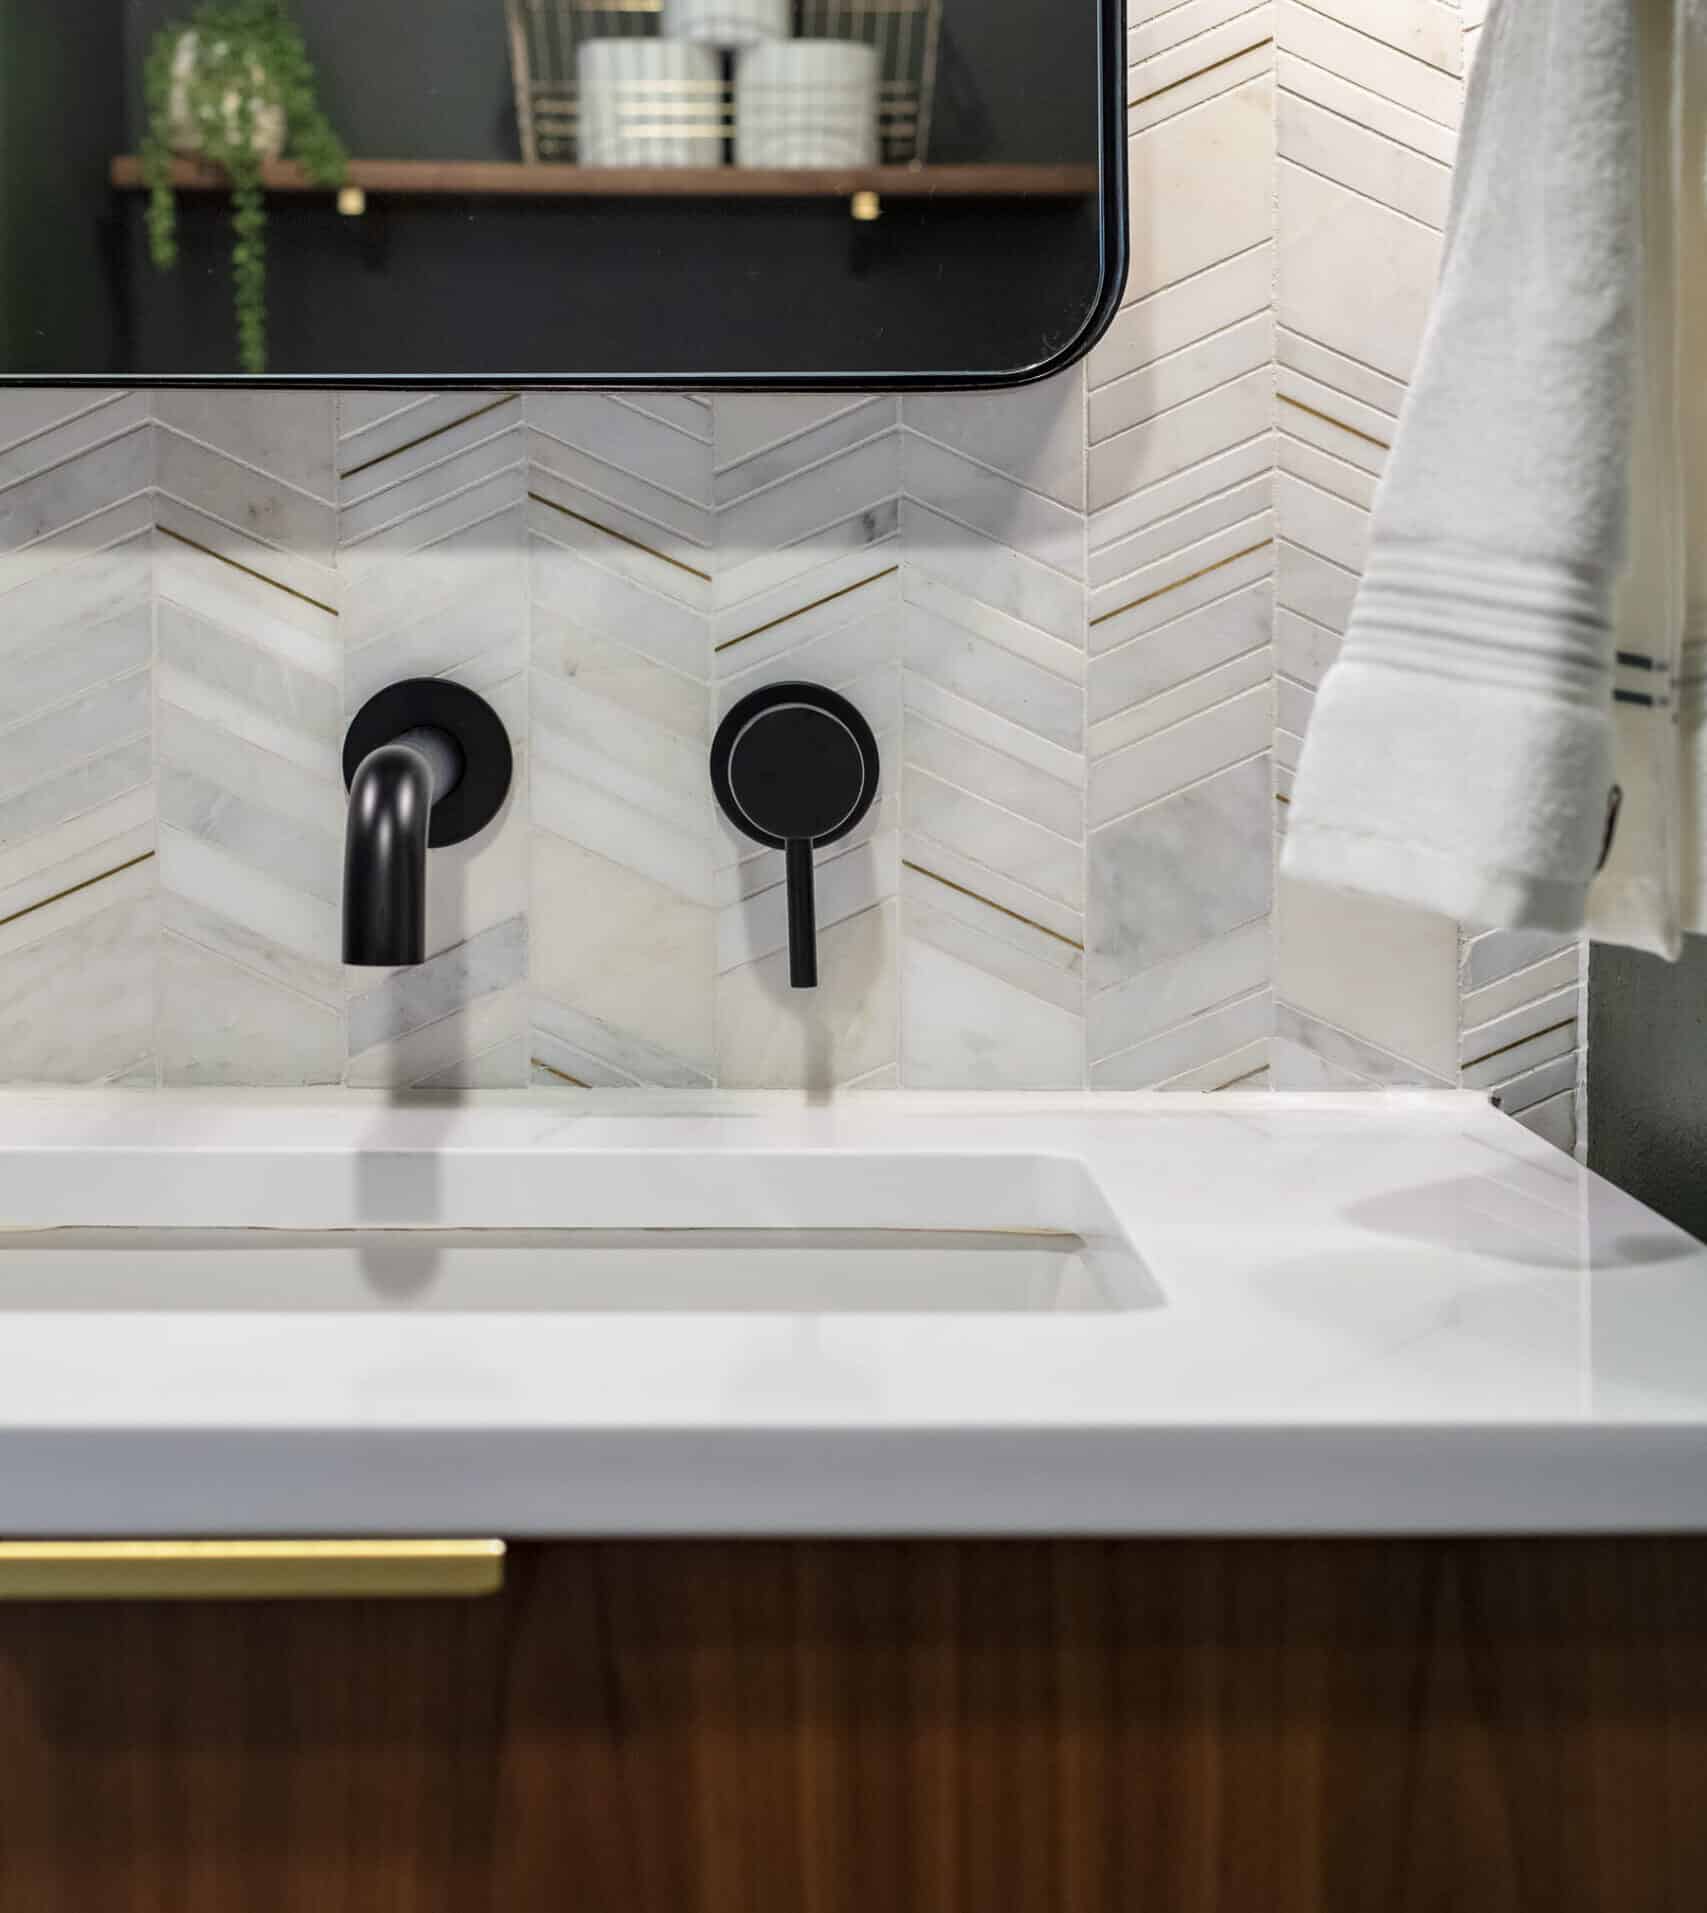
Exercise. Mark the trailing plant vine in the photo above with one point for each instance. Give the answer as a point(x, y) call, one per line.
point(249, 63)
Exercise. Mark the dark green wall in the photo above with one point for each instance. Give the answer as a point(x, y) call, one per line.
point(1647, 1078)
point(61, 93)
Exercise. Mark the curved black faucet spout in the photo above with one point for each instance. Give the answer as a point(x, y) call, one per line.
point(385, 847)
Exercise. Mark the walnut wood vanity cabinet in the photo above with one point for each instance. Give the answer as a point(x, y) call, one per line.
point(1084, 1727)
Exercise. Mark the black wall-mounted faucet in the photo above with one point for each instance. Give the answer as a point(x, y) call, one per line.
point(426, 763)
point(795, 767)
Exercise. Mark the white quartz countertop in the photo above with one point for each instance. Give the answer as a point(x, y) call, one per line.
point(1393, 1313)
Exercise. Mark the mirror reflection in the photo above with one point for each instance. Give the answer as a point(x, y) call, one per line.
point(602, 190)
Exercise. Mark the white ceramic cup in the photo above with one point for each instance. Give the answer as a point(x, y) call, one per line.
point(649, 103)
point(727, 23)
point(806, 103)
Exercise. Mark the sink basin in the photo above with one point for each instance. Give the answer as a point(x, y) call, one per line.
point(481, 1271)
point(636, 1231)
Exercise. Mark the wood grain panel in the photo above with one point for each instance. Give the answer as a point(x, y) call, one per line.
point(934, 1728)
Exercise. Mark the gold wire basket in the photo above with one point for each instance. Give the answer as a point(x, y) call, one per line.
point(546, 37)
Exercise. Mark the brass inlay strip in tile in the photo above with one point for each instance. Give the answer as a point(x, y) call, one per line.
point(562, 1076)
point(621, 537)
point(1249, 1076)
point(1180, 584)
point(1338, 424)
point(1534, 1036)
point(426, 438)
point(260, 577)
point(1214, 66)
point(71, 890)
point(1015, 916)
point(788, 617)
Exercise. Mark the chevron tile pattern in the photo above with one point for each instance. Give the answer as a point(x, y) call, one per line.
point(1180, 570)
point(993, 617)
point(1087, 620)
point(78, 911)
point(249, 700)
point(806, 584)
point(622, 905)
point(432, 557)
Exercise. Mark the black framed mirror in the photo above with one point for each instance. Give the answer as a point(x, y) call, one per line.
point(689, 193)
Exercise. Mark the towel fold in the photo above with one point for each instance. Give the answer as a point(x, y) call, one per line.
point(1527, 660)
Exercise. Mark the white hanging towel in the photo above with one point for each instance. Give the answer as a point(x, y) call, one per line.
point(1525, 675)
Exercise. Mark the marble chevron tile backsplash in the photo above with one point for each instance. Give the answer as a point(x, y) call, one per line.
point(1085, 619)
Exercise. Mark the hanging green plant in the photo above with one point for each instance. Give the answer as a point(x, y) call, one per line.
point(233, 86)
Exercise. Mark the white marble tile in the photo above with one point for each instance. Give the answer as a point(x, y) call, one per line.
point(86, 435)
point(850, 879)
point(772, 1037)
point(441, 1052)
point(1347, 1061)
point(1125, 558)
point(570, 1049)
point(1188, 564)
point(1145, 772)
point(1012, 783)
point(77, 1005)
point(1357, 56)
point(1194, 484)
point(207, 876)
point(632, 955)
point(1180, 316)
point(1187, 648)
point(1170, 878)
point(35, 507)
point(1174, 991)
point(1156, 388)
point(287, 850)
point(994, 504)
point(1201, 428)
point(1201, 187)
point(602, 426)
point(52, 741)
point(1240, 1029)
point(982, 569)
point(1328, 526)
point(288, 435)
point(1354, 275)
point(410, 999)
point(1375, 969)
point(781, 460)
point(982, 832)
point(1325, 142)
point(1242, 677)
point(1035, 434)
point(964, 1028)
point(223, 1024)
point(563, 480)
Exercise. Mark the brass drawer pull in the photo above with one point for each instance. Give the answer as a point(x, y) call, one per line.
point(247, 1570)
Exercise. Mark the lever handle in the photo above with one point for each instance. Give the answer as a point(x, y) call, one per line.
point(795, 766)
point(802, 916)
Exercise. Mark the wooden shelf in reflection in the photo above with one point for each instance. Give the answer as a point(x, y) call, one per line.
point(422, 178)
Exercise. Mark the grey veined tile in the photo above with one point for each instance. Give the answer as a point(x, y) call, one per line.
point(1172, 877)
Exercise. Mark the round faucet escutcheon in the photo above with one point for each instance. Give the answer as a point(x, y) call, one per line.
point(795, 767)
point(467, 801)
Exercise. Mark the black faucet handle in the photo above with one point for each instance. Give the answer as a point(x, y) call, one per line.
point(795, 766)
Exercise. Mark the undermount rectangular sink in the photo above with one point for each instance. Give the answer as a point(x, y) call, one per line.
point(519, 1271)
point(600, 1232)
